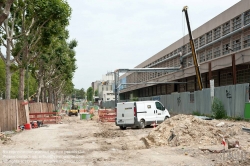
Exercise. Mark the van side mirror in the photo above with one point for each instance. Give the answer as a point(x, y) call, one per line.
point(164, 108)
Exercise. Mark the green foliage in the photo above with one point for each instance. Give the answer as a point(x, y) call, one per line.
point(96, 92)
point(90, 94)
point(197, 113)
point(134, 99)
point(218, 109)
point(14, 85)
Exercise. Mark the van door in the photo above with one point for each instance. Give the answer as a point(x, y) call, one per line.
point(141, 112)
point(150, 115)
point(125, 113)
point(159, 112)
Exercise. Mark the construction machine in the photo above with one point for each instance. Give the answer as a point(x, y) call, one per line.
point(196, 65)
point(74, 109)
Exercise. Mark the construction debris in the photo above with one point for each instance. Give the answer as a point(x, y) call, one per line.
point(220, 124)
point(188, 130)
point(246, 129)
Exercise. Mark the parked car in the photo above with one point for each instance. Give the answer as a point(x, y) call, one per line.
point(140, 114)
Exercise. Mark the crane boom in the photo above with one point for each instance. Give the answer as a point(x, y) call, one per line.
point(196, 65)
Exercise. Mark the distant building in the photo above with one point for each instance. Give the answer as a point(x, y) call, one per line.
point(95, 85)
point(105, 89)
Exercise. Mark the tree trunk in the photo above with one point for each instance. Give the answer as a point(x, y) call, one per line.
point(7, 81)
point(7, 63)
point(5, 13)
point(55, 100)
point(22, 79)
point(40, 84)
point(21, 84)
point(50, 94)
point(42, 95)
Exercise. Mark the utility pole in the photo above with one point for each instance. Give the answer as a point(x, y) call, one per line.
point(196, 65)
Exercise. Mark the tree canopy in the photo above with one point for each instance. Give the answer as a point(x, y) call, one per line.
point(40, 59)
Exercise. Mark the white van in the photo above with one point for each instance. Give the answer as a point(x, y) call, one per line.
point(140, 114)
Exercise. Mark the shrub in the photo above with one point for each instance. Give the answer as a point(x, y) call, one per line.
point(218, 109)
point(197, 113)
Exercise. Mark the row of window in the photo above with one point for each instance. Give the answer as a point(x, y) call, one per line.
point(214, 34)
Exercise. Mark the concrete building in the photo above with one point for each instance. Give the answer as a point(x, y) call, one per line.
point(223, 52)
point(95, 85)
point(105, 89)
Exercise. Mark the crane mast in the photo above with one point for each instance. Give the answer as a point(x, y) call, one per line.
point(196, 65)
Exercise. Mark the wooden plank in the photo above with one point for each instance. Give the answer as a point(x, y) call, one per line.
point(6, 116)
point(27, 113)
point(2, 114)
point(17, 117)
point(41, 108)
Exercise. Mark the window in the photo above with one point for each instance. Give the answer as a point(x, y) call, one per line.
point(247, 17)
point(236, 22)
point(217, 33)
point(196, 43)
point(209, 54)
point(226, 28)
point(184, 49)
point(209, 37)
point(202, 40)
point(236, 45)
point(175, 51)
point(216, 51)
point(246, 41)
point(202, 56)
point(159, 106)
point(190, 60)
point(184, 60)
point(189, 48)
point(225, 49)
point(179, 49)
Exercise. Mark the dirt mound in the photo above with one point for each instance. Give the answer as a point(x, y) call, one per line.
point(188, 130)
point(109, 134)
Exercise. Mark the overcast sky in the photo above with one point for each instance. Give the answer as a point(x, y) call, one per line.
point(115, 34)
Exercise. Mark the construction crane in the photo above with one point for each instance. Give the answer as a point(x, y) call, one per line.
point(196, 65)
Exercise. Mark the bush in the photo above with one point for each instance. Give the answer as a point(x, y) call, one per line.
point(197, 113)
point(218, 109)
point(134, 99)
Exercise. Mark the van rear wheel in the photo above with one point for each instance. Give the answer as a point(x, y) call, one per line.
point(142, 124)
point(123, 128)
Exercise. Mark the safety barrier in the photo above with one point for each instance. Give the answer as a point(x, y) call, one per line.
point(107, 115)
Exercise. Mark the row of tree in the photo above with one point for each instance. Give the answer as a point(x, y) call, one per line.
point(35, 50)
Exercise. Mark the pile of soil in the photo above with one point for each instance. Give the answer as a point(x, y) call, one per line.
point(188, 130)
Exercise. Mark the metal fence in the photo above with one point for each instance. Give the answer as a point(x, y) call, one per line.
point(233, 97)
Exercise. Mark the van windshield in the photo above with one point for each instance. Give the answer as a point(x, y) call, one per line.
point(159, 106)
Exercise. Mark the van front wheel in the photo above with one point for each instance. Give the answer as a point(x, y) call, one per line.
point(142, 124)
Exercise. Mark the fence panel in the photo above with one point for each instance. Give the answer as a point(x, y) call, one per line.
point(9, 113)
point(21, 113)
point(242, 96)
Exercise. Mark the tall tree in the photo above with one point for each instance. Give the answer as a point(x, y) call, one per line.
point(28, 23)
point(96, 92)
point(90, 94)
point(5, 9)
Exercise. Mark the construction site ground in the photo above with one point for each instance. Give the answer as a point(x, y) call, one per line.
point(90, 142)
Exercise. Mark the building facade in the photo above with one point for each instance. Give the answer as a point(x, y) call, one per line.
point(223, 52)
point(105, 89)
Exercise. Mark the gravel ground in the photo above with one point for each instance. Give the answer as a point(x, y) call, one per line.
point(80, 142)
